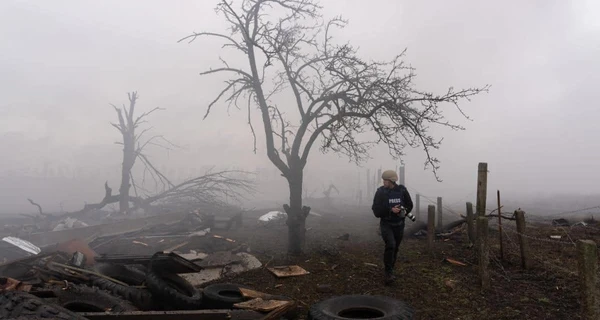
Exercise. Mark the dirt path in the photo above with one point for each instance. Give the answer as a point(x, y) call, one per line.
point(436, 289)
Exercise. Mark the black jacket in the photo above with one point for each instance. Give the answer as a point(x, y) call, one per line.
point(381, 205)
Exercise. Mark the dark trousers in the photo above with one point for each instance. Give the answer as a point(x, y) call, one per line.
point(392, 236)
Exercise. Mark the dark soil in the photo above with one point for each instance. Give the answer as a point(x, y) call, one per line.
point(435, 288)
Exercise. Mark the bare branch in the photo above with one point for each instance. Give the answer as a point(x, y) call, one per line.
point(38, 206)
point(340, 97)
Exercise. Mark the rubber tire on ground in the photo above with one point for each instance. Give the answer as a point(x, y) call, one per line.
point(140, 298)
point(15, 304)
point(174, 292)
point(33, 318)
point(221, 295)
point(81, 298)
point(362, 307)
point(129, 274)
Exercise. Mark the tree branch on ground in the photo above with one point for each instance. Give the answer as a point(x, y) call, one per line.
point(215, 188)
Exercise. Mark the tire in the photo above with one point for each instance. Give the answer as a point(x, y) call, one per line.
point(33, 318)
point(173, 291)
point(360, 307)
point(23, 305)
point(221, 296)
point(125, 273)
point(91, 299)
point(140, 298)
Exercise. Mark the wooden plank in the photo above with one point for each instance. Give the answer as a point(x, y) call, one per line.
point(261, 305)
point(288, 271)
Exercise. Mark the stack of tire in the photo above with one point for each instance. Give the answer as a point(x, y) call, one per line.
point(164, 290)
point(120, 288)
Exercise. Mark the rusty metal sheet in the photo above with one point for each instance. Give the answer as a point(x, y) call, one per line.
point(10, 284)
point(176, 315)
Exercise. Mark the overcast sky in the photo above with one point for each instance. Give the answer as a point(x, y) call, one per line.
point(63, 62)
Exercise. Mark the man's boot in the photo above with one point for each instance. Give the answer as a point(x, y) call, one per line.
point(389, 278)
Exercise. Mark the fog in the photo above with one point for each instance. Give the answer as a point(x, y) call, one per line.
point(62, 63)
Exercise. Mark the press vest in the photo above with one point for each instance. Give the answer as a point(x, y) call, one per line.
point(394, 197)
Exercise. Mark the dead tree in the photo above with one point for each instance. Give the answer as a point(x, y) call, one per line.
point(133, 147)
point(327, 192)
point(337, 95)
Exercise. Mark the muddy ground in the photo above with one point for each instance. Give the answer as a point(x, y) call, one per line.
point(435, 288)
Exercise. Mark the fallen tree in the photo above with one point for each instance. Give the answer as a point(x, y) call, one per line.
point(216, 189)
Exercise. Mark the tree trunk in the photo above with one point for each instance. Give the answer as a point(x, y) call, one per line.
point(296, 214)
point(128, 161)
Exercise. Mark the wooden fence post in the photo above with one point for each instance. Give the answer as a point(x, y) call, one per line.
point(402, 177)
point(360, 197)
point(439, 212)
point(418, 207)
point(588, 266)
point(368, 184)
point(483, 252)
point(520, 216)
point(430, 226)
point(470, 222)
point(481, 188)
point(500, 228)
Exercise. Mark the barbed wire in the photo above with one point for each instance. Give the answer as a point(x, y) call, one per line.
point(443, 206)
point(574, 211)
point(448, 209)
point(514, 231)
point(539, 258)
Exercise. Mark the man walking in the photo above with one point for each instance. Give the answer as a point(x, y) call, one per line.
point(387, 204)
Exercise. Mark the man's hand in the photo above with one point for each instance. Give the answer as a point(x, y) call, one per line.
point(396, 209)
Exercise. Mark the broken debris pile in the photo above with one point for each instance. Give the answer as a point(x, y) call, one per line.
point(162, 269)
point(63, 285)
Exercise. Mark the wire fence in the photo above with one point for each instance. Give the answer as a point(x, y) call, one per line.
point(552, 248)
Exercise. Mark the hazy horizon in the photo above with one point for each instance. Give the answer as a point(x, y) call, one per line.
point(64, 62)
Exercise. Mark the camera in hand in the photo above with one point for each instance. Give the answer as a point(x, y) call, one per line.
point(408, 214)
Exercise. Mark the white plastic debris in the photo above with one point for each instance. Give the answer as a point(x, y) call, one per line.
point(275, 215)
point(70, 223)
point(199, 233)
point(246, 262)
point(23, 244)
point(272, 215)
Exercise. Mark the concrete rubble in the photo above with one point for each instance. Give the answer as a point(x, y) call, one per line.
point(163, 267)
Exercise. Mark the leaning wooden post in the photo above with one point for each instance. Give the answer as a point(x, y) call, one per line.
point(481, 188)
point(483, 252)
point(520, 216)
point(500, 228)
point(588, 266)
point(430, 226)
point(439, 211)
point(470, 222)
point(418, 206)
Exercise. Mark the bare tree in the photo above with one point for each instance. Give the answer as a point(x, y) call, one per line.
point(337, 95)
point(133, 147)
